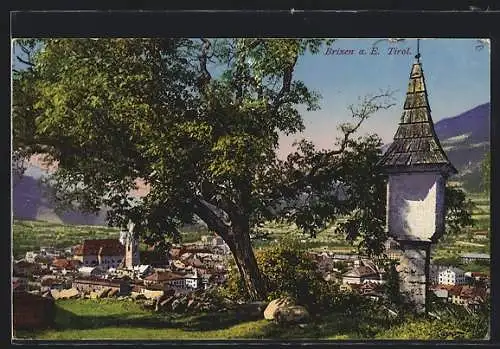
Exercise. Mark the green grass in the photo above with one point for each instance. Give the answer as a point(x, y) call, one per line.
point(122, 319)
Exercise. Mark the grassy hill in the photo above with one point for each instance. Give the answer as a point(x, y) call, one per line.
point(31, 235)
point(449, 248)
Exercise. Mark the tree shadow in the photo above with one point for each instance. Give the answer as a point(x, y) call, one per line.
point(327, 326)
point(187, 322)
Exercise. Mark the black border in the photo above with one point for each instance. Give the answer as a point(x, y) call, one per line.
point(278, 23)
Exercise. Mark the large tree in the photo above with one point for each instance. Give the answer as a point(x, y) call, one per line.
point(199, 121)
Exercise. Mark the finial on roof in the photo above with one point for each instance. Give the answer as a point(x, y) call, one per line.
point(417, 56)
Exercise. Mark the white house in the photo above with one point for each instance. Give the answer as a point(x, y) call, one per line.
point(90, 271)
point(451, 276)
point(31, 257)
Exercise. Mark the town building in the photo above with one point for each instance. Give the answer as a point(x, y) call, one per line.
point(88, 285)
point(468, 296)
point(360, 275)
point(475, 257)
point(451, 276)
point(91, 272)
point(107, 253)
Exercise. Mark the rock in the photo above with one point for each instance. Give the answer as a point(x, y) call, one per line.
point(65, 294)
point(275, 305)
point(54, 294)
point(104, 292)
point(291, 314)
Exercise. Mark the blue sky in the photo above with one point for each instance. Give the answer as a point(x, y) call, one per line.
point(457, 77)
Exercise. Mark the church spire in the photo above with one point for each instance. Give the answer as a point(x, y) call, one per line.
point(416, 146)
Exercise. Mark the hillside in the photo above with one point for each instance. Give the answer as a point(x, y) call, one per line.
point(466, 138)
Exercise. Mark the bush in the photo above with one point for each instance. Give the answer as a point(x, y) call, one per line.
point(290, 271)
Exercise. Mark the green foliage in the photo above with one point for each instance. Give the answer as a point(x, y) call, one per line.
point(486, 172)
point(458, 210)
point(391, 285)
point(199, 122)
point(454, 323)
point(290, 271)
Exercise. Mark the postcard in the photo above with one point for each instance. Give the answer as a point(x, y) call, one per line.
point(250, 188)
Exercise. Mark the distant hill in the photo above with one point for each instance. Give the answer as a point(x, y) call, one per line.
point(464, 137)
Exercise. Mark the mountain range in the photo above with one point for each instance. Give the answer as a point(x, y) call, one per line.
point(464, 137)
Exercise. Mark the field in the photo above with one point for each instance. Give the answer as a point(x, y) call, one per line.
point(449, 248)
point(122, 319)
point(31, 235)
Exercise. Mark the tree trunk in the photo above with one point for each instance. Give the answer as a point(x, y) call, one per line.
point(241, 247)
point(237, 237)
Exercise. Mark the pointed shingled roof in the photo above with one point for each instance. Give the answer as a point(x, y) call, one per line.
point(416, 146)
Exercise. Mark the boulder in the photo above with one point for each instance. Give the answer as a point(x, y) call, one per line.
point(65, 294)
point(276, 304)
point(291, 314)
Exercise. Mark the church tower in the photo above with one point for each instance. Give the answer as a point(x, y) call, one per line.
point(417, 169)
point(131, 257)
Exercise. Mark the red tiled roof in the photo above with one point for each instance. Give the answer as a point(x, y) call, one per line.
point(470, 292)
point(455, 290)
point(107, 247)
point(61, 263)
point(478, 274)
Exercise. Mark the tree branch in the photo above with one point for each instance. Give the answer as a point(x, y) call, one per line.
point(286, 83)
point(203, 58)
point(212, 216)
point(369, 105)
point(25, 62)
